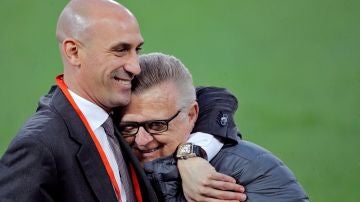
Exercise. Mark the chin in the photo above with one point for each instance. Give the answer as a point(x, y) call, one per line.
point(148, 159)
point(123, 101)
point(121, 97)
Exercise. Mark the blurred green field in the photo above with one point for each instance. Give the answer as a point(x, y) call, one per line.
point(294, 66)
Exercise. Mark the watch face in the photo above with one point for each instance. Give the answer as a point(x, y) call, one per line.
point(186, 149)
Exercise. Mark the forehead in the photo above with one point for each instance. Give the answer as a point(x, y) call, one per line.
point(158, 102)
point(114, 31)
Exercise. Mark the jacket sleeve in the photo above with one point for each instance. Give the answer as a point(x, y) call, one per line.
point(165, 178)
point(27, 172)
point(267, 179)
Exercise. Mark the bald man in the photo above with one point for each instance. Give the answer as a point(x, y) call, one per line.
point(67, 151)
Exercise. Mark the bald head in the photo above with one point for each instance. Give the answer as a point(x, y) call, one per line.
point(78, 17)
point(99, 42)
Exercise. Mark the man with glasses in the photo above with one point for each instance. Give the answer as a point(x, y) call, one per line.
point(158, 123)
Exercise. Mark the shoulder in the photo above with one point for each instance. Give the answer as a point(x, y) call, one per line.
point(42, 125)
point(44, 128)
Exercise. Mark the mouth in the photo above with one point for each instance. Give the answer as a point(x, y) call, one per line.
point(146, 151)
point(122, 78)
point(122, 81)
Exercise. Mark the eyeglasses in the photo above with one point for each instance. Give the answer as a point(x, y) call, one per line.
point(129, 129)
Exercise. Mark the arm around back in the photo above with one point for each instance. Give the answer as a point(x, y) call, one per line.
point(265, 177)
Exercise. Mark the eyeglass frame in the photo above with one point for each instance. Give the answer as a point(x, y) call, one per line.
point(145, 124)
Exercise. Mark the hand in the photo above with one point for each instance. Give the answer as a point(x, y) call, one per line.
point(201, 182)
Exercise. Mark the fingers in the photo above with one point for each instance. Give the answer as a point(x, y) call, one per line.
point(219, 187)
point(221, 177)
point(219, 200)
point(224, 182)
point(211, 192)
point(219, 196)
point(202, 183)
point(224, 195)
point(226, 186)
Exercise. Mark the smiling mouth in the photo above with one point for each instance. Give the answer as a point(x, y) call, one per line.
point(149, 150)
point(122, 80)
point(121, 77)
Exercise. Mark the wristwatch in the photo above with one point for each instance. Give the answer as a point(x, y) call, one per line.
point(189, 150)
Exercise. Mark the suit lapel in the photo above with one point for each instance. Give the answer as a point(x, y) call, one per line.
point(88, 157)
point(95, 173)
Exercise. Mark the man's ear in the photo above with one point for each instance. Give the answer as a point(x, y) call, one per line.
point(193, 113)
point(70, 47)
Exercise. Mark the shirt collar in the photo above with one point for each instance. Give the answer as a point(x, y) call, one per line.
point(94, 114)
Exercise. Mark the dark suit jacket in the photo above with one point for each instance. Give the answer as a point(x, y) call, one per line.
point(53, 158)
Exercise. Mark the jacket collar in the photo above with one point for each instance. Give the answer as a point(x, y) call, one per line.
point(87, 155)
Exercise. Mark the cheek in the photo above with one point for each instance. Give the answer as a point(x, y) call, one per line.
point(91, 73)
point(171, 142)
point(113, 61)
point(130, 140)
point(182, 132)
point(168, 143)
point(103, 64)
point(163, 139)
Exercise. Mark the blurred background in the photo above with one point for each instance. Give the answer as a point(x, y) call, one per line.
point(294, 66)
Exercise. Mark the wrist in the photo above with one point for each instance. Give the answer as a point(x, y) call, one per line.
point(189, 150)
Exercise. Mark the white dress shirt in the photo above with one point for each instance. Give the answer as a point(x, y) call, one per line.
point(96, 116)
point(208, 142)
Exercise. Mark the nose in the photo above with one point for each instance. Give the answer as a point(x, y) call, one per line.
point(132, 65)
point(142, 138)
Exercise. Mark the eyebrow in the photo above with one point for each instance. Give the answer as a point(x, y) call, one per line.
point(140, 122)
point(124, 45)
point(153, 120)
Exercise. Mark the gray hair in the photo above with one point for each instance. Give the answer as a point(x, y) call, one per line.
point(157, 68)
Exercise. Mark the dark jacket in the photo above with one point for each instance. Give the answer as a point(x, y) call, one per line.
point(265, 177)
point(53, 158)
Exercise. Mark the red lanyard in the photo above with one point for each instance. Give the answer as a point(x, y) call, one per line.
point(60, 82)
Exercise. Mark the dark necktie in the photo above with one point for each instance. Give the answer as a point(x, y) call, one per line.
point(123, 170)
